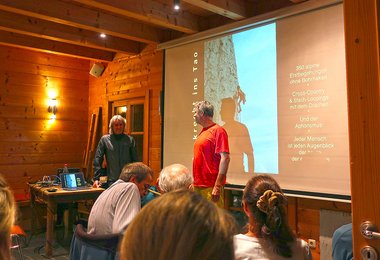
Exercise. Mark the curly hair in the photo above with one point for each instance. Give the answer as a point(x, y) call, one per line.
point(266, 203)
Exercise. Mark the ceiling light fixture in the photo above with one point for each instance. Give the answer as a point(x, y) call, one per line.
point(176, 5)
point(103, 35)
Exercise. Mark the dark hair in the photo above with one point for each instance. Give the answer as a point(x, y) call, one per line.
point(137, 169)
point(266, 203)
point(180, 225)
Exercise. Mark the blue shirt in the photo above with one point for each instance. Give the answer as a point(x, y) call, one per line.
point(149, 196)
point(342, 243)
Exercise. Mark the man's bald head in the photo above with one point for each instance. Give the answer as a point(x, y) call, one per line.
point(174, 177)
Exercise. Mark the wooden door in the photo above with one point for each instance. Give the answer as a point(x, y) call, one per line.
point(135, 109)
point(362, 59)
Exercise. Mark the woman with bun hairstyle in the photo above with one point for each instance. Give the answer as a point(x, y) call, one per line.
point(269, 235)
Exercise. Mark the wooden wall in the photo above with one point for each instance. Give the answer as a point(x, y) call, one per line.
point(128, 75)
point(32, 145)
point(304, 217)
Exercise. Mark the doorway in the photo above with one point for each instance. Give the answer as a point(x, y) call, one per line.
point(135, 109)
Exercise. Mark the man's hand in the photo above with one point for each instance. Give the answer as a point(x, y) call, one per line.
point(96, 184)
point(215, 195)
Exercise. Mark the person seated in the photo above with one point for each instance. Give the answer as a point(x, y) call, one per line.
point(173, 177)
point(119, 204)
point(179, 224)
point(269, 234)
point(342, 243)
point(7, 218)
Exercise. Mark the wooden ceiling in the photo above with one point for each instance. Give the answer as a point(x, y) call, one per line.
point(73, 27)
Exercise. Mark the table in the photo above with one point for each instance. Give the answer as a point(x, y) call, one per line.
point(52, 199)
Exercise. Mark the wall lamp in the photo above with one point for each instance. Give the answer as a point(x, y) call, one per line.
point(176, 5)
point(52, 108)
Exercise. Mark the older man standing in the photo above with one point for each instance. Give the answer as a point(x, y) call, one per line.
point(211, 155)
point(118, 148)
point(119, 204)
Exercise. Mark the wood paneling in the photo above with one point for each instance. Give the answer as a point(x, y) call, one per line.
point(31, 145)
point(363, 81)
point(307, 217)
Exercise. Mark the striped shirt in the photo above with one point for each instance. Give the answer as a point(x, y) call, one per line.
point(114, 209)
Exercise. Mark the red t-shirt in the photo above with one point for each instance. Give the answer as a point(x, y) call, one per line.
point(211, 141)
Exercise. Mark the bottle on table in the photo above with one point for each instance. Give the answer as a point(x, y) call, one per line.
point(65, 169)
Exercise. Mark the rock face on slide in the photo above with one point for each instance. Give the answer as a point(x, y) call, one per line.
point(222, 82)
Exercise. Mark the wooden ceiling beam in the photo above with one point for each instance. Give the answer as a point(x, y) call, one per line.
point(150, 12)
point(84, 18)
point(233, 9)
point(297, 1)
point(48, 30)
point(29, 42)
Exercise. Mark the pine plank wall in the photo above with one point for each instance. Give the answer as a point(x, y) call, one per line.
point(31, 147)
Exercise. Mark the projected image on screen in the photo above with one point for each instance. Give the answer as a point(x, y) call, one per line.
point(243, 92)
point(278, 89)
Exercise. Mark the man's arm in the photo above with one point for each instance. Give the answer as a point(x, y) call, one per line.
point(223, 167)
point(98, 159)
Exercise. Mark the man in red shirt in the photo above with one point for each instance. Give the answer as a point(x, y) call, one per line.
point(211, 155)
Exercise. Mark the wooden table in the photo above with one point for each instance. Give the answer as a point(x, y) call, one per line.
point(52, 199)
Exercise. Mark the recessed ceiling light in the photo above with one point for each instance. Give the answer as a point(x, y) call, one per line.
point(103, 35)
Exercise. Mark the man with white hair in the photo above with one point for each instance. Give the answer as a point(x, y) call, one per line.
point(118, 148)
point(173, 177)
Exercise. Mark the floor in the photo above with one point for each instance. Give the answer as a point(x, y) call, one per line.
point(35, 247)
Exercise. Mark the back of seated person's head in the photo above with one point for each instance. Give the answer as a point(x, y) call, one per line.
point(180, 225)
point(137, 169)
point(264, 204)
point(174, 177)
point(7, 217)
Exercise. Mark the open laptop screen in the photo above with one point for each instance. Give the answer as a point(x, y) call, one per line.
point(73, 180)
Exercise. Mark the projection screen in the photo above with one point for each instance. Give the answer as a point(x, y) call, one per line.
point(279, 89)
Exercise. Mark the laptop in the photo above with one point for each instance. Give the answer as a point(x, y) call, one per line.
point(73, 181)
point(60, 171)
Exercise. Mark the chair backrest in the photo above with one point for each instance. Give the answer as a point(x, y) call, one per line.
point(89, 246)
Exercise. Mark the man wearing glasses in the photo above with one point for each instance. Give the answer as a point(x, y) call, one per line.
point(116, 207)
